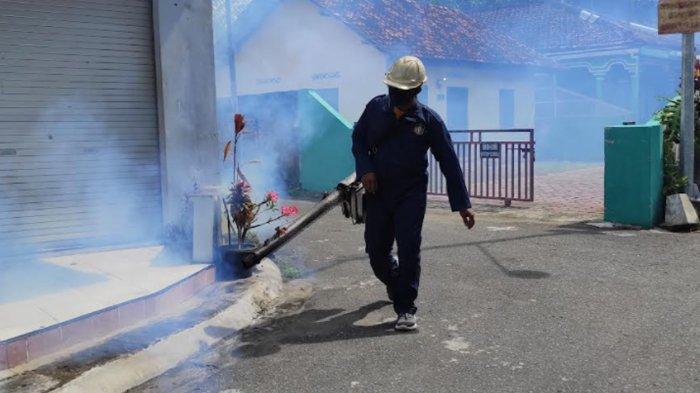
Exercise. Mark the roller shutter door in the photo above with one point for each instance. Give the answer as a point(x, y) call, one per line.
point(79, 158)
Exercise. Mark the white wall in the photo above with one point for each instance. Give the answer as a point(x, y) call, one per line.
point(298, 48)
point(186, 88)
point(484, 88)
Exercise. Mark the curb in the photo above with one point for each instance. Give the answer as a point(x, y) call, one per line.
point(41, 343)
point(125, 373)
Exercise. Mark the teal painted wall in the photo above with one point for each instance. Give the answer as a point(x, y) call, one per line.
point(634, 175)
point(325, 144)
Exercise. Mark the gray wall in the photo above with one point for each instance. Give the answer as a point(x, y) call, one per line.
point(189, 143)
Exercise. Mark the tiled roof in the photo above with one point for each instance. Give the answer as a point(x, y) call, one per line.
point(429, 31)
point(550, 26)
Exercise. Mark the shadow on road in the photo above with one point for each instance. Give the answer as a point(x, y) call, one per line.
point(562, 230)
point(311, 327)
point(525, 274)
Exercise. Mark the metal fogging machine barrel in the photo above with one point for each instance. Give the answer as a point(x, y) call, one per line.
point(349, 194)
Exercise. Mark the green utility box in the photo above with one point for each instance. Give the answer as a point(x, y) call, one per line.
point(634, 175)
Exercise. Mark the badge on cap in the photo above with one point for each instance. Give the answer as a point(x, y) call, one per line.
point(419, 129)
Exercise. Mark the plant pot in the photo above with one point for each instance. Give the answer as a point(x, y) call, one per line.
point(229, 265)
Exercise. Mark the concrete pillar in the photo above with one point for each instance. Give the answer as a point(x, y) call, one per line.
point(688, 113)
point(187, 101)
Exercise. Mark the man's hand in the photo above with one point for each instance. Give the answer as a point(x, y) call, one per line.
point(468, 218)
point(369, 181)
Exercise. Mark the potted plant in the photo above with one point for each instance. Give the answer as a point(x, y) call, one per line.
point(243, 214)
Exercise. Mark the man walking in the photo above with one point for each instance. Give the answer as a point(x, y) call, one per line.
point(390, 145)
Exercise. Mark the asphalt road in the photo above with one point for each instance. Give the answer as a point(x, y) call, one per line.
point(508, 307)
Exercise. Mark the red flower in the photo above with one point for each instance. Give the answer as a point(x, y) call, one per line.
point(288, 211)
point(272, 196)
point(239, 123)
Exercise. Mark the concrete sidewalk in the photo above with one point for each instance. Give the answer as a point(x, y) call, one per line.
point(134, 355)
point(51, 303)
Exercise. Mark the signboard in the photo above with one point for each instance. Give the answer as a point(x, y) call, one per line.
point(490, 149)
point(679, 16)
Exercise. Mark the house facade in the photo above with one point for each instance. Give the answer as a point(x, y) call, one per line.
point(343, 49)
point(608, 71)
point(625, 64)
point(561, 69)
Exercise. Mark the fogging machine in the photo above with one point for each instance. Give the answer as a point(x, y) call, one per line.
point(349, 194)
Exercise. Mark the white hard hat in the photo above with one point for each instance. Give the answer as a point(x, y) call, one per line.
point(407, 73)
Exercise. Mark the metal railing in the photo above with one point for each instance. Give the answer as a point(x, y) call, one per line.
point(497, 164)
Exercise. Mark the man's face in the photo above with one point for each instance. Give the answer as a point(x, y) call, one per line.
point(402, 99)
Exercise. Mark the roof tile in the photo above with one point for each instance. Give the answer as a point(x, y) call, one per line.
point(429, 31)
point(549, 26)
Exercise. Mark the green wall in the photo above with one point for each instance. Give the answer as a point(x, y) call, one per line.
point(325, 144)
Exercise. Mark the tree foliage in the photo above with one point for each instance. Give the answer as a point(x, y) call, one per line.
point(670, 118)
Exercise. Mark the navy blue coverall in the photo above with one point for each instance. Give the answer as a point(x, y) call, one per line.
point(396, 151)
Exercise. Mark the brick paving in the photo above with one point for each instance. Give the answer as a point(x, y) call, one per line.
point(571, 192)
point(564, 194)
